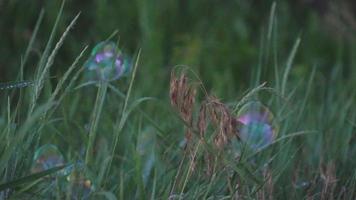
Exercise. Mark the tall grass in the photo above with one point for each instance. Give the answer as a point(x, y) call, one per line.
point(121, 145)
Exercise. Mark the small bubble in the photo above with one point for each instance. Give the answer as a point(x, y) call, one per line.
point(46, 157)
point(258, 127)
point(107, 62)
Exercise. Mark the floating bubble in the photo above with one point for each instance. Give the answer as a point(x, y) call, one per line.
point(258, 127)
point(46, 157)
point(107, 62)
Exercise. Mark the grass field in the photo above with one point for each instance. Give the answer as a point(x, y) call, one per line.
point(167, 130)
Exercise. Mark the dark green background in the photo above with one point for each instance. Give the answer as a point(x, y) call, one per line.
point(219, 39)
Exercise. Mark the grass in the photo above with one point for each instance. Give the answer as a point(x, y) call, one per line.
point(123, 139)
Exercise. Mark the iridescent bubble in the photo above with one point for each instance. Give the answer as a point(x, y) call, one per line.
point(46, 157)
point(258, 127)
point(107, 62)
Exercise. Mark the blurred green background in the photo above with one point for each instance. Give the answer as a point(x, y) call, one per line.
point(222, 40)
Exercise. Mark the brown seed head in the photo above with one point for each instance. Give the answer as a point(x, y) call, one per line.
point(182, 95)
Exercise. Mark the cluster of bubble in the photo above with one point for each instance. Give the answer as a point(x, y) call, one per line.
point(47, 157)
point(107, 62)
point(258, 127)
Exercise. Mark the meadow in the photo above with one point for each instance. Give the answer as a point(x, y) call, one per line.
point(169, 123)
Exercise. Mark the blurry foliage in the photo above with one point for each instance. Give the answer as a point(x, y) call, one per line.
point(219, 39)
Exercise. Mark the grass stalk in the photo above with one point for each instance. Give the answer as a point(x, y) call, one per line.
point(190, 169)
point(289, 65)
point(95, 117)
point(120, 124)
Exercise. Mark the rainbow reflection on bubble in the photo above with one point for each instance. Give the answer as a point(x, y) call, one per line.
point(107, 62)
point(46, 157)
point(258, 127)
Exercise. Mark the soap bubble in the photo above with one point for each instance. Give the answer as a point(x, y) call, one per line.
point(258, 127)
point(107, 62)
point(46, 157)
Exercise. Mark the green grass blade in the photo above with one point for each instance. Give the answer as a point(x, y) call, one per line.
point(119, 125)
point(30, 178)
point(289, 65)
point(95, 117)
point(43, 59)
point(31, 43)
